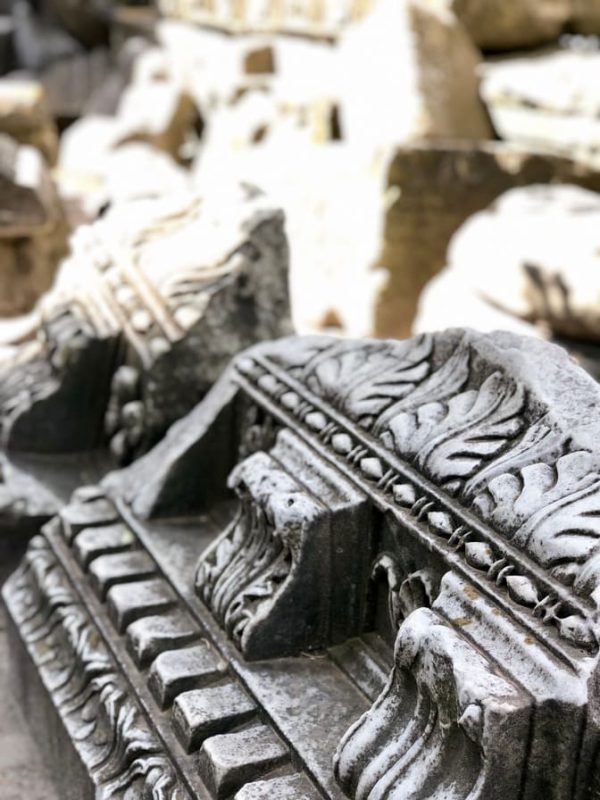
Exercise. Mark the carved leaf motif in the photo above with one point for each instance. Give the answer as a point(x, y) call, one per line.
point(440, 385)
point(539, 443)
point(552, 511)
point(364, 381)
point(453, 439)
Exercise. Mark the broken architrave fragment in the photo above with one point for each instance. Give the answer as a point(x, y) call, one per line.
point(154, 300)
point(438, 496)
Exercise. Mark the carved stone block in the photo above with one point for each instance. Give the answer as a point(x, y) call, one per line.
point(384, 586)
point(153, 302)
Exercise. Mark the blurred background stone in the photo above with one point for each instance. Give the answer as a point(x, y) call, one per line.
point(513, 24)
point(33, 230)
point(549, 100)
point(24, 115)
point(374, 125)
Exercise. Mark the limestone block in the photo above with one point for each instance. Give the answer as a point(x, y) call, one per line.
point(534, 255)
point(33, 232)
point(511, 24)
point(157, 113)
point(419, 52)
point(24, 116)
point(549, 100)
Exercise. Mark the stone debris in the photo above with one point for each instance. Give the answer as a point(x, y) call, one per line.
point(38, 39)
point(534, 255)
point(145, 312)
point(403, 532)
point(33, 230)
point(586, 17)
point(225, 90)
point(157, 113)
point(88, 21)
point(396, 51)
point(25, 116)
point(514, 24)
point(72, 83)
point(429, 192)
point(314, 18)
point(548, 101)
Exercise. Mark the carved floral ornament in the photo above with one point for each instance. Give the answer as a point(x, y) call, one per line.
point(474, 431)
point(482, 443)
point(449, 482)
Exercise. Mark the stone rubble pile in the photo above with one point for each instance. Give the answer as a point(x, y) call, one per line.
point(379, 126)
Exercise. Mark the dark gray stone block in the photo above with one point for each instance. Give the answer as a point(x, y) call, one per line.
point(125, 349)
point(385, 587)
point(201, 713)
point(178, 671)
point(231, 760)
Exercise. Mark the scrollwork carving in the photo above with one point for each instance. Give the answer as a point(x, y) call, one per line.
point(284, 577)
point(113, 738)
point(405, 593)
point(437, 729)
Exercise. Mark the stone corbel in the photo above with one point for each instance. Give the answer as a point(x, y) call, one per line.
point(288, 574)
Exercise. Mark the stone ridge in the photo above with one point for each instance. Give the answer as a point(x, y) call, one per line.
point(115, 621)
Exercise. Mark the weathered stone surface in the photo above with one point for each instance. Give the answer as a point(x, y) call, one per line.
point(24, 116)
point(396, 51)
point(511, 24)
point(104, 99)
point(107, 158)
point(22, 773)
point(95, 173)
point(358, 267)
point(549, 101)
point(7, 54)
point(70, 83)
point(33, 233)
point(533, 255)
point(440, 495)
point(430, 192)
point(38, 38)
point(157, 113)
point(150, 305)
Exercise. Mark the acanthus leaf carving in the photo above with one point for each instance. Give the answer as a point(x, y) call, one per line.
point(451, 440)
